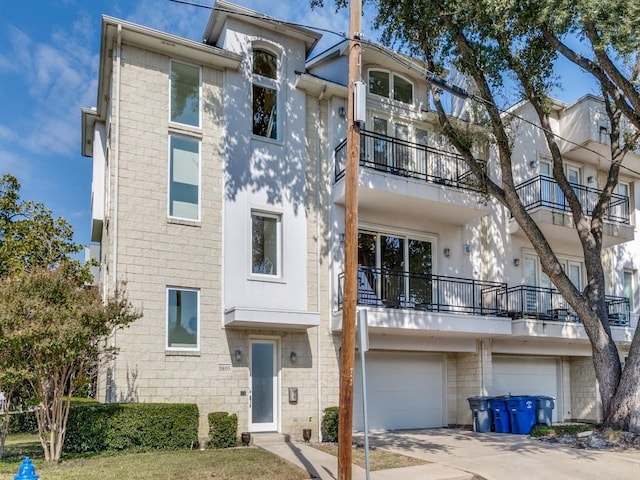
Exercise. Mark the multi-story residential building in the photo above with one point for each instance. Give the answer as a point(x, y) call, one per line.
point(218, 197)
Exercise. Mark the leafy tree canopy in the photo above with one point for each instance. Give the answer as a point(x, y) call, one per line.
point(30, 237)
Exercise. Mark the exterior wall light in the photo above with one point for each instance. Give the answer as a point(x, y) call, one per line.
point(237, 355)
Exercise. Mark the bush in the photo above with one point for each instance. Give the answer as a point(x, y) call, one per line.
point(23, 422)
point(330, 424)
point(223, 429)
point(559, 430)
point(119, 426)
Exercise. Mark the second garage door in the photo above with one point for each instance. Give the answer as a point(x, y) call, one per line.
point(526, 376)
point(404, 391)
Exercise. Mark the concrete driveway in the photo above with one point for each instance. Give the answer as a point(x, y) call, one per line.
point(508, 457)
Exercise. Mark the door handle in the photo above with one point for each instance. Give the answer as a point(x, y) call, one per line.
point(249, 398)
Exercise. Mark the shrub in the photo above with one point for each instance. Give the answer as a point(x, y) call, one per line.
point(223, 429)
point(559, 430)
point(23, 422)
point(330, 424)
point(117, 426)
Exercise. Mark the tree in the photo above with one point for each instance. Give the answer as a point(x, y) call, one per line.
point(517, 42)
point(53, 333)
point(30, 237)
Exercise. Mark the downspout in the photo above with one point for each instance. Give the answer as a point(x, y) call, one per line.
point(116, 161)
point(318, 252)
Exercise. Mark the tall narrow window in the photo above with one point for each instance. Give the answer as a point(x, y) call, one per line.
point(265, 244)
point(182, 318)
point(184, 178)
point(185, 94)
point(627, 287)
point(265, 94)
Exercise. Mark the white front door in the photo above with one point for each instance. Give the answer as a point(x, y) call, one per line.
point(263, 396)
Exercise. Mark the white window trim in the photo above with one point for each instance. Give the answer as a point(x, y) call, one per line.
point(564, 260)
point(274, 84)
point(279, 247)
point(391, 94)
point(166, 320)
point(171, 122)
point(199, 142)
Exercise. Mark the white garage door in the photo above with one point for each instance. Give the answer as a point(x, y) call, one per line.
point(403, 391)
point(526, 376)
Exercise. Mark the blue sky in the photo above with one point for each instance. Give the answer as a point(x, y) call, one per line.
point(48, 71)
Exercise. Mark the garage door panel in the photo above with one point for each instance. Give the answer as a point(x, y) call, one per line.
point(404, 391)
point(526, 376)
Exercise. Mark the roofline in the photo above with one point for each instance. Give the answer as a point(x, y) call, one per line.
point(149, 39)
point(319, 86)
point(222, 9)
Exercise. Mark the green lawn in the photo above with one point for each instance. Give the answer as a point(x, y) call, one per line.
point(227, 464)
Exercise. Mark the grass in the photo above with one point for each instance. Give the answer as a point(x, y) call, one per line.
point(379, 459)
point(226, 464)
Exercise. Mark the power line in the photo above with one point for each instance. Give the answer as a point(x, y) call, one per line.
point(258, 16)
point(456, 90)
point(426, 73)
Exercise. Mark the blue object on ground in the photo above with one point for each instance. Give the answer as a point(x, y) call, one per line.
point(522, 414)
point(26, 471)
point(498, 406)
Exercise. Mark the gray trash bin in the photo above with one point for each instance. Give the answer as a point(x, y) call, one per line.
point(481, 413)
point(544, 409)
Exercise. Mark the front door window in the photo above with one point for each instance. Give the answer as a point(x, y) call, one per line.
point(264, 386)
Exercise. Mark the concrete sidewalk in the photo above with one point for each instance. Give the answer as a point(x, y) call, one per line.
point(325, 466)
point(459, 454)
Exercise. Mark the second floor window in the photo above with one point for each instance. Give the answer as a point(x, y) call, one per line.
point(265, 93)
point(185, 94)
point(265, 244)
point(184, 177)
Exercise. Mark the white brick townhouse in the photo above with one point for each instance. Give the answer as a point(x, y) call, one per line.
point(218, 197)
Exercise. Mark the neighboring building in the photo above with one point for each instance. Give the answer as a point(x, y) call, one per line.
point(218, 197)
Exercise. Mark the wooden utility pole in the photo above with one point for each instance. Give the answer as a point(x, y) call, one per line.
point(345, 424)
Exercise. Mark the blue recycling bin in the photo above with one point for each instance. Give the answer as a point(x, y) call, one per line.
point(481, 413)
point(522, 414)
point(544, 409)
point(498, 407)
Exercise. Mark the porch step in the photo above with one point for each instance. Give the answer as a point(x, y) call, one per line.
point(269, 438)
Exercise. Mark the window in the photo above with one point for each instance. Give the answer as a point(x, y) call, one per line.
point(183, 318)
point(184, 178)
point(627, 287)
point(265, 244)
point(394, 269)
point(185, 94)
point(265, 94)
point(390, 85)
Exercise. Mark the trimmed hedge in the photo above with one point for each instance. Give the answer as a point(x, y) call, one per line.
point(330, 424)
point(559, 430)
point(127, 426)
point(23, 422)
point(223, 430)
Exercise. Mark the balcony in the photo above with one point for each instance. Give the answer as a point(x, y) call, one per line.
point(547, 205)
point(399, 174)
point(544, 312)
point(403, 301)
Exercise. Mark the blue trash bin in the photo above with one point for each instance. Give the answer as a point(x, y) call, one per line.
point(481, 413)
point(498, 407)
point(522, 414)
point(544, 409)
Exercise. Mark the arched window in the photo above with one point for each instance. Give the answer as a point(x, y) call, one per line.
point(265, 93)
point(389, 85)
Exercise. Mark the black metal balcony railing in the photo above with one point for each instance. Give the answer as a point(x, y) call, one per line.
point(422, 291)
point(524, 301)
point(544, 191)
point(408, 159)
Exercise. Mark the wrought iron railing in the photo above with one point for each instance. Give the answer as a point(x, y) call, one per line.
point(544, 191)
point(408, 159)
point(423, 291)
point(524, 301)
